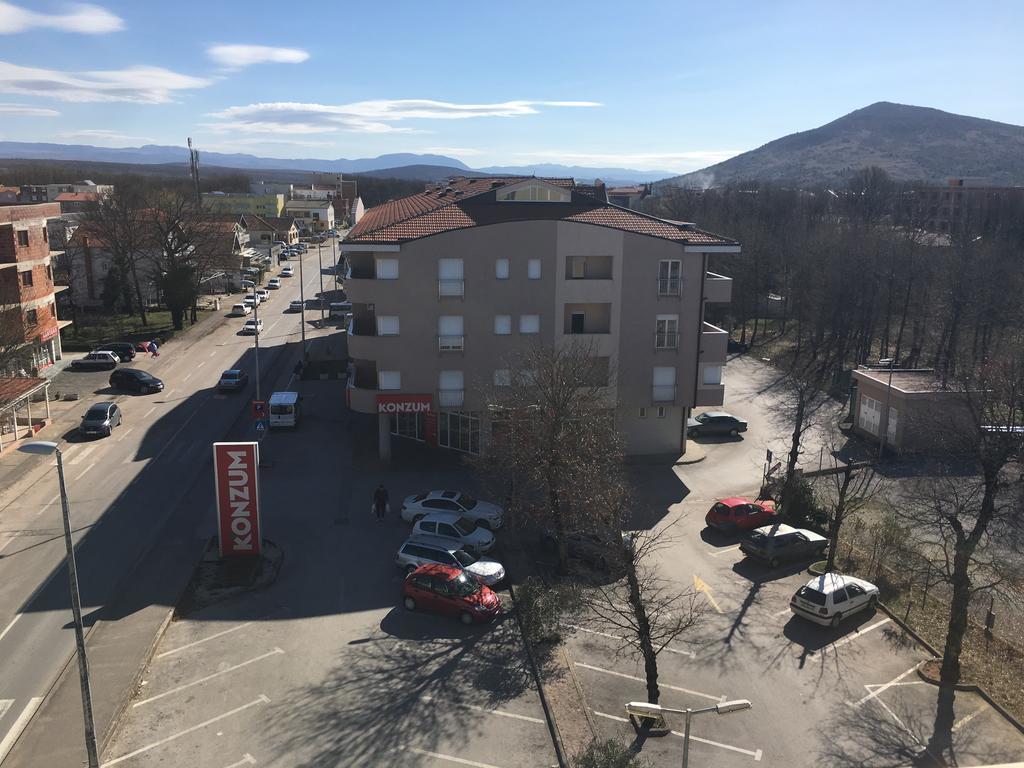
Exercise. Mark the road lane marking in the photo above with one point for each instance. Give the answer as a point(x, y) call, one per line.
point(82, 473)
point(702, 586)
point(641, 680)
point(486, 711)
point(8, 627)
point(77, 458)
point(691, 654)
point(19, 726)
point(723, 551)
point(449, 758)
point(5, 704)
point(186, 686)
point(965, 720)
point(214, 352)
point(757, 754)
point(247, 759)
point(851, 638)
point(147, 413)
point(200, 642)
point(884, 687)
point(262, 699)
point(187, 376)
point(125, 434)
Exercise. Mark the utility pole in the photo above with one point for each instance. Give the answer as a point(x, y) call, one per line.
point(256, 320)
point(193, 167)
point(319, 256)
point(302, 300)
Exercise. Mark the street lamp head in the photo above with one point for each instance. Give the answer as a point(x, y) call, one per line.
point(886, 360)
point(40, 447)
point(732, 706)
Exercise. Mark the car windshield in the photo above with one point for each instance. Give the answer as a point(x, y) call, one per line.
point(702, 418)
point(465, 526)
point(464, 586)
point(811, 595)
point(465, 559)
point(96, 413)
point(229, 375)
point(757, 537)
point(721, 509)
point(467, 502)
point(142, 375)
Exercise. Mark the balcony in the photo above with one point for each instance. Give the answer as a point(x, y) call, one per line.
point(669, 286)
point(713, 344)
point(666, 340)
point(450, 343)
point(452, 288)
point(717, 288)
point(663, 393)
point(450, 398)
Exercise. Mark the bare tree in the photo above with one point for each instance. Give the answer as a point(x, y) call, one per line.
point(15, 353)
point(855, 486)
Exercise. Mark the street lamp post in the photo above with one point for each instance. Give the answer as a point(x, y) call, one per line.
point(256, 320)
point(319, 256)
point(656, 713)
point(302, 300)
point(45, 448)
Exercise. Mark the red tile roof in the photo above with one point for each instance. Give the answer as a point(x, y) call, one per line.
point(76, 197)
point(461, 203)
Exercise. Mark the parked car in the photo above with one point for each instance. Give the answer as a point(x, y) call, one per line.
point(420, 550)
point(232, 380)
point(251, 301)
point(100, 419)
point(295, 305)
point(737, 514)
point(252, 327)
point(592, 548)
point(449, 591)
point(263, 294)
point(96, 361)
point(274, 282)
point(240, 310)
point(135, 380)
point(483, 513)
point(774, 543)
point(125, 350)
point(715, 423)
point(831, 597)
point(736, 346)
point(451, 526)
point(287, 271)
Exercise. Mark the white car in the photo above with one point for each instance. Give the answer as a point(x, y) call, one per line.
point(240, 310)
point(483, 513)
point(274, 282)
point(831, 597)
point(287, 271)
point(417, 551)
point(263, 294)
point(251, 301)
point(454, 528)
point(252, 327)
point(295, 305)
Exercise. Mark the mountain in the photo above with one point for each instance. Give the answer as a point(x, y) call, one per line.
point(613, 177)
point(911, 143)
point(421, 172)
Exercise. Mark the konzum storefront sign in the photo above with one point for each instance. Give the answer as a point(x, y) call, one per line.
point(403, 404)
point(236, 474)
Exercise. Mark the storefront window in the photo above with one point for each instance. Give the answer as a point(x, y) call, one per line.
point(407, 425)
point(459, 431)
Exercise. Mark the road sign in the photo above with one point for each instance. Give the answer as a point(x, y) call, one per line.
point(259, 409)
point(261, 426)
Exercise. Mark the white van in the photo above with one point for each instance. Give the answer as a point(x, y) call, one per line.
point(284, 409)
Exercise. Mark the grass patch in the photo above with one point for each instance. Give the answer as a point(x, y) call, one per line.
point(93, 328)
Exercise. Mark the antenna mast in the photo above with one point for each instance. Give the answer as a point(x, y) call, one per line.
point(193, 167)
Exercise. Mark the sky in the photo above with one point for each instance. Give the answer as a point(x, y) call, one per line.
point(670, 86)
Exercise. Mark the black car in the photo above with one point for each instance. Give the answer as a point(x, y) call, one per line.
point(738, 347)
point(125, 350)
point(100, 419)
point(774, 543)
point(135, 380)
point(715, 423)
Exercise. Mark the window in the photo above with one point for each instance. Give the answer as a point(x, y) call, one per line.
point(387, 325)
point(459, 431)
point(534, 193)
point(389, 380)
point(501, 269)
point(449, 333)
point(641, 413)
point(450, 389)
point(712, 375)
point(666, 332)
point(662, 410)
point(30, 317)
point(26, 277)
point(22, 237)
point(669, 272)
point(502, 325)
point(664, 384)
point(503, 377)
point(407, 425)
point(533, 269)
point(46, 237)
point(387, 269)
point(577, 322)
point(579, 267)
point(529, 323)
point(449, 277)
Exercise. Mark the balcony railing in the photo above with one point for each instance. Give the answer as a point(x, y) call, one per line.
point(451, 288)
point(666, 340)
point(663, 393)
point(450, 343)
point(669, 286)
point(450, 398)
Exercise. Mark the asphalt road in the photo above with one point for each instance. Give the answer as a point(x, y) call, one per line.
point(123, 490)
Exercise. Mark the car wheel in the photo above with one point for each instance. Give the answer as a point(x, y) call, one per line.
point(410, 604)
point(873, 603)
point(774, 562)
point(466, 618)
point(836, 620)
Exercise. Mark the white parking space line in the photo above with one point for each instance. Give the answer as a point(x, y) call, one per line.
point(757, 754)
point(723, 551)
point(247, 759)
point(448, 758)
point(5, 704)
point(204, 640)
point(186, 686)
point(9, 626)
point(965, 720)
point(851, 638)
point(899, 722)
point(141, 750)
point(641, 680)
point(484, 710)
point(82, 473)
point(884, 687)
point(19, 726)
point(147, 413)
point(691, 654)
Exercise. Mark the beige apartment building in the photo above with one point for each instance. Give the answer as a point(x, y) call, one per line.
point(448, 283)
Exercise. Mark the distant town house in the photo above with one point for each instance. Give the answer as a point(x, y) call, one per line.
point(244, 203)
point(311, 215)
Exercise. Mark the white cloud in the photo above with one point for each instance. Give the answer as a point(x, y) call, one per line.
point(141, 84)
point(26, 111)
point(238, 56)
point(104, 136)
point(81, 17)
point(449, 151)
point(668, 161)
point(368, 116)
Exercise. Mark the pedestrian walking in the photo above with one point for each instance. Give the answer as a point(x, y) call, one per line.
point(154, 349)
point(381, 504)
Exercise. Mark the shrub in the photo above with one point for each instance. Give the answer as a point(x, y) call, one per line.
point(608, 753)
point(541, 609)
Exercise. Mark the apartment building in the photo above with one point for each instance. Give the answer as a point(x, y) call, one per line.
point(448, 283)
point(28, 311)
point(311, 215)
point(244, 202)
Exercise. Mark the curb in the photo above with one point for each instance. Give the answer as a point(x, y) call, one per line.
point(972, 688)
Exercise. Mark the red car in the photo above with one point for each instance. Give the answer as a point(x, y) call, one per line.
point(738, 514)
point(448, 590)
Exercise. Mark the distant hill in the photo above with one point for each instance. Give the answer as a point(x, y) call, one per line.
point(613, 177)
point(911, 143)
point(421, 172)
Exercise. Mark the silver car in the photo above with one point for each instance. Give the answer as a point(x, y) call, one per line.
point(483, 513)
point(454, 528)
point(420, 550)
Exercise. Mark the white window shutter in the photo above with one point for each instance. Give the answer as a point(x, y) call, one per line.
point(387, 269)
point(449, 325)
